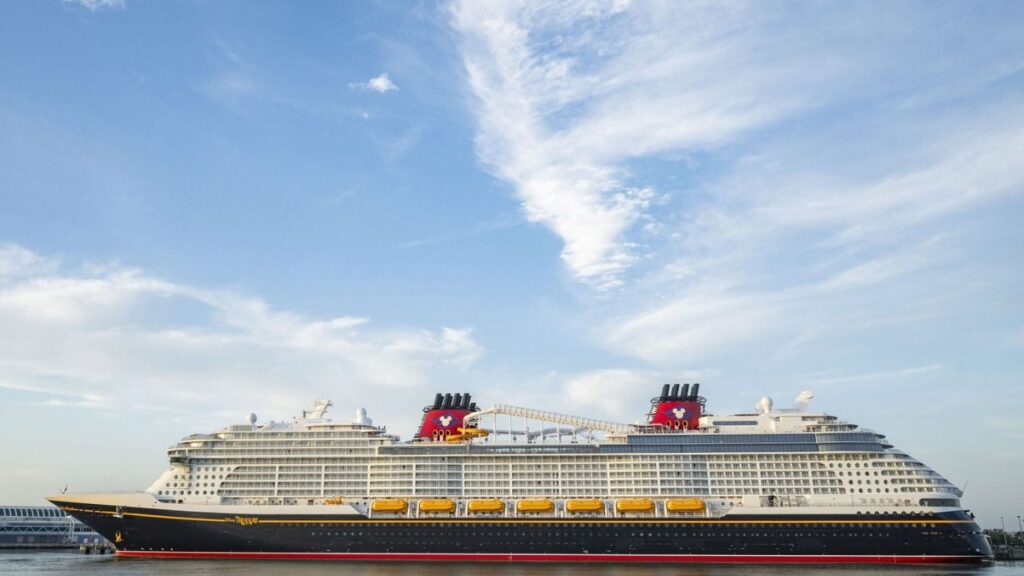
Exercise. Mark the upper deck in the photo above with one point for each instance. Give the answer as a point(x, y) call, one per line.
point(793, 455)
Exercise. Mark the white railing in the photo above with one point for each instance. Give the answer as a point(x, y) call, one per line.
point(578, 422)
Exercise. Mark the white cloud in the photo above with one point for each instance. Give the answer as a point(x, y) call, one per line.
point(380, 84)
point(619, 394)
point(568, 94)
point(113, 337)
point(16, 261)
point(860, 379)
point(97, 5)
point(783, 256)
point(977, 161)
point(604, 391)
point(691, 326)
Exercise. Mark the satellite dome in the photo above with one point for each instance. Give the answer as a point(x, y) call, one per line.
point(764, 405)
point(361, 418)
point(252, 419)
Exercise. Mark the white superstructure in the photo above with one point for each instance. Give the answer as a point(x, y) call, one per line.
point(794, 457)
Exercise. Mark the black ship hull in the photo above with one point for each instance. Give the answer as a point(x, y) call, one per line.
point(942, 538)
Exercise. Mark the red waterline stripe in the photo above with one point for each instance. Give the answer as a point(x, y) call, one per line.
point(446, 557)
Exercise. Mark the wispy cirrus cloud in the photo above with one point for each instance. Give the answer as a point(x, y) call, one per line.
point(569, 95)
point(845, 252)
point(745, 175)
point(116, 337)
point(98, 5)
point(859, 379)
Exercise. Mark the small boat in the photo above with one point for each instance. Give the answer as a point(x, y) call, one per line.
point(486, 505)
point(538, 505)
point(684, 505)
point(389, 505)
point(634, 505)
point(443, 505)
point(584, 505)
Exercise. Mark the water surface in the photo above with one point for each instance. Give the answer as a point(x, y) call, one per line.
point(67, 563)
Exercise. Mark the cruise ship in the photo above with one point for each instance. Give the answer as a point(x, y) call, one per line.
point(508, 483)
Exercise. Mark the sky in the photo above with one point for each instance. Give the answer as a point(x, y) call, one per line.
point(209, 209)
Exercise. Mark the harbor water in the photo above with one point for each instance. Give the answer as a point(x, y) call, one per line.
point(68, 562)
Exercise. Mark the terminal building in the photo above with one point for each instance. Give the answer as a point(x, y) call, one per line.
point(43, 527)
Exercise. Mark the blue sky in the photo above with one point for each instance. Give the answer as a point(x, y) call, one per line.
point(208, 209)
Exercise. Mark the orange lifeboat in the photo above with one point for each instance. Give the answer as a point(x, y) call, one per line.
point(389, 505)
point(634, 505)
point(684, 505)
point(585, 505)
point(486, 506)
point(535, 506)
point(437, 505)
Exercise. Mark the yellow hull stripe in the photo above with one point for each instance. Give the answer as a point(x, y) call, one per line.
point(265, 520)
